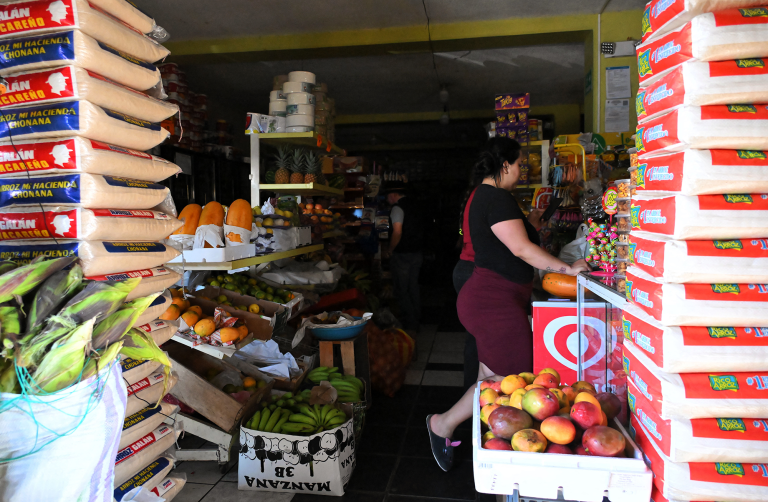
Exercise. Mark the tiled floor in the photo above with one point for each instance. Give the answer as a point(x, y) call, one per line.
point(394, 460)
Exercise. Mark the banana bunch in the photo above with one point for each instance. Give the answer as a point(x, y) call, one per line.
point(350, 388)
point(321, 373)
point(304, 420)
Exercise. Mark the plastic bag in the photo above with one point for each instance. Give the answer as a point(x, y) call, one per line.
point(576, 249)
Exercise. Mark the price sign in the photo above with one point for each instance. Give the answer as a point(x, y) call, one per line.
point(610, 202)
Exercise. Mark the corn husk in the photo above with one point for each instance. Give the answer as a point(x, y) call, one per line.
point(8, 380)
point(63, 364)
point(24, 279)
point(10, 326)
point(102, 359)
point(54, 292)
point(116, 325)
point(142, 347)
point(6, 266)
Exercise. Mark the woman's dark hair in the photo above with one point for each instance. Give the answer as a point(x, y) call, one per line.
point(497, 151)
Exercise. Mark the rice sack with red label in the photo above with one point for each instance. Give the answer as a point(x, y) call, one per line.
point(700, 217)
point(80, 118)
point(701, 481)
point(727, 394)
point(733, 127)
point(696, 83)
point(32, 17)
point(690, 349)
point(82, 190)
point(702, 172)
point(702, 439)
point(61, 222)
point(153, 280)
point(155, 309)
point(126, 12)
point(134, 370)
point(687, 262)
point(136, 455)
point(149, 390)
point(78, 49)
point(169, 487)
point(718, 36)
point(80, 155)
point(144, 421)
point(160, 331)
point(148, 477)
point(70, 82)
point(720, 304)
point(662, 16)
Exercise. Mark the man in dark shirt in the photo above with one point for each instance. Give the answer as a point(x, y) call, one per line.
point(405, 249)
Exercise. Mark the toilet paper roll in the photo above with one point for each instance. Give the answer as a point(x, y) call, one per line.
point(302, 76)
point(301, 98)
point(278, 106)
point(300, 109)
point(291, 87)
point(275, 95)
point(300, 120)
point(298, 129)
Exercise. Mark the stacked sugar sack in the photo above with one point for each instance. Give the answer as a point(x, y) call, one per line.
point(696, 341)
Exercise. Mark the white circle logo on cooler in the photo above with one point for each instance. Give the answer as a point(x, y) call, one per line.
point(572, 343)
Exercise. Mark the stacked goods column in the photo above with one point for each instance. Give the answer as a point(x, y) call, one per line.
point(696, 349)
point(75, 181)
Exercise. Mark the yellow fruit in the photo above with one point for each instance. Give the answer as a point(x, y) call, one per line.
point(254, 308)
point(287, 214)
point(257, 211)
point(269, 231)
point(586, 396)
point(196, 309)
point(175, 293)
point(268, 222)
point(205, 327)
point(229, 335)
point(172, 313)
point(278, 212)
point(249, 382)
point(258, 223)
point(243, 331)
point(190, 317)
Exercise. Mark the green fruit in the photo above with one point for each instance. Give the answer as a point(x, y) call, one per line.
point(209, 280)
point(270, 290)
point(269, 297)
point(221, 298)
point(229, 389)
point(260, 295)
point(263, 285)
point(228, 278)
point(253, 282)
point(230, 286)
point(220, 278)
point(211, 373)
point(242, 307)
point(215, 284)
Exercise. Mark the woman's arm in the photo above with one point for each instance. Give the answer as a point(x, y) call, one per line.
point(512, 233)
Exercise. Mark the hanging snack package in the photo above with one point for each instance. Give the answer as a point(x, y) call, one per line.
point(718, 36)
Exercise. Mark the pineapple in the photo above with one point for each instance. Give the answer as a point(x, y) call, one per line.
point(312, 168)
point(282, 159)
point(297, 166)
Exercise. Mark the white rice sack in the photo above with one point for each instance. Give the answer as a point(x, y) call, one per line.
point(697, 395)
point(703, 172)
point(78, 49)
point(137, 454)
point(732, 127)
point(33, 17)
point(691, 349)
point(81, 155)
point(696, 83)
point(687, 262)
point(63, 222)
point(127, 13)
point(701, 439)
point(134, 370)
point(149, 476)
point(718, 36)
point(155, 309)
point(170, 487)
point(662, 16)
point(698, 304)
point(147, 392)
point(82, 190)
point(80, 118)
point(160, 331)
point(70, 82)
point(681, 481)
point(153, 280)
point(144, 421)
point(701, 217)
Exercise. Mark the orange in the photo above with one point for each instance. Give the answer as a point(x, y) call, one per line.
point(229, 335)
point(310, 206)
point(243, 331)
point(190, 317)
point(249, 382)
point(205, 327)
point(196, 309)
point(318, 206)
point(182, 303)
point(172, 313)
point(176, 293)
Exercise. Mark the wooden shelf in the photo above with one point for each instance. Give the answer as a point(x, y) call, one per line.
point(255, 260)
point(345, 207)
point(305, 139)
point(302, 189)
point(333, 233)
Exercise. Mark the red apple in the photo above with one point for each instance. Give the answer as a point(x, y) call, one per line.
point(497, 444)
point(540, 403)
point(547, 380)
point(586, 415)
point(603, 441)
point(558, 448)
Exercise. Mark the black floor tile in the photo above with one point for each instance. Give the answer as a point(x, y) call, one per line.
point(406, 394)
point(417, 441)
point(486, 497)
point(388, 413)
point(430, 394)
point(444, 367)
point(372, 473)
point(382, 439)
point(417, 477)
point(406, 498)
point(349, 496)
point(420, 412)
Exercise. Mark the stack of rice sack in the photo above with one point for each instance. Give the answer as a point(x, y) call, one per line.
point(696, 345)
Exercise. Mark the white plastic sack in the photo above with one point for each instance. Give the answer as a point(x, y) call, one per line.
point(697, 395)
point(266, 355)
point(78, 466)
point(702, 172)
point(662, 16)
point(212, 235)
point(696, 349)
point(735, 305)
point(701, 439)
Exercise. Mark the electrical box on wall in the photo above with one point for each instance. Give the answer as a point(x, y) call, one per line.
point(618, 49)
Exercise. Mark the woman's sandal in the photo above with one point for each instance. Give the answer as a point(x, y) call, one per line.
point(442, 448)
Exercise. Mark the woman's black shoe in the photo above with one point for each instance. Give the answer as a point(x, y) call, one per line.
point(442, 448)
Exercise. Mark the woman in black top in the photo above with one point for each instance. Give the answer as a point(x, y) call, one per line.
point(494, 303)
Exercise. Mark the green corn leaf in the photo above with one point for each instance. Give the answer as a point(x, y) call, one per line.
point(63, 364)
point(24, 279)
point(55, 291)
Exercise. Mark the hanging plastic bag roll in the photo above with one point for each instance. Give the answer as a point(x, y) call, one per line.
point(32, 17)
point(82, 190)
point(63, 222)
point(81, 155)
point(153, 280)
point(80, 118)
point(160, 331)
point(70, 82)
point(696, 349)
point(148, 477)
point(78, 49)
point(718, 36)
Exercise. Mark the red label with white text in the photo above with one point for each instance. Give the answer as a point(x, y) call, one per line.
point(656, 216)
point(737, 158)
point(645, 294)
point(737, 248)
point(142, 444)
point(38, 156)
point(723, 336)
point(647, 255)
point(734, 112)
point(130, 213)
point(645, 336)
point(660, 430)
point(663, 173)
point(732, 473)
point(667, 52)
point(98, 145)
point(153, 326)
point(146, 383)
point(651, 455)
point(738, 67)
point(665, 94)
point(163, 487)
point(739, 429)
point(741, 17)
point(39, 225)
point(35, 16)
point(658, 13)
point(723, 385)
point(39, 87)
point(727, 292)
point(121, 276)
point(657, 134)
point(646, 382)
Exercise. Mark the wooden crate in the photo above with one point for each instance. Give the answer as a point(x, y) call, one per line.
point(194, 390)
point(279, 383)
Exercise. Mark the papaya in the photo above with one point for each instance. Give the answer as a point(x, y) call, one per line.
point(190, 215)
point(559, 284)
point(212, 214)
point(239, 215)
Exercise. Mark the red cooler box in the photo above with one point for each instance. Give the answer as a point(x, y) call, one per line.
point(556, 345)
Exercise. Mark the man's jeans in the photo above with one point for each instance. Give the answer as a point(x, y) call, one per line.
point(405, 269)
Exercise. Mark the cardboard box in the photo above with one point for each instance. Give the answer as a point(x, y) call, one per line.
point(321, 464)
